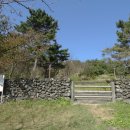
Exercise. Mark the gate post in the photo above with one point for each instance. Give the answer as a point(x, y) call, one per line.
point(72, 91)
point(113, 91)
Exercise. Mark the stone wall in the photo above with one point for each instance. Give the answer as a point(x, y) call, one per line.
point(34, 88)
point(52, 89)
point(122, 89)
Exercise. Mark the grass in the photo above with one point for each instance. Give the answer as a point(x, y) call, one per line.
point(45, 115)
point(93, 89)
point(102, 77)
point(121, 115)
point(90, 86)
point(63, 115)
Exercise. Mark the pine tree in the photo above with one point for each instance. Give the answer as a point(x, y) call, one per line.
point(44, 26)
point(121, 50)
point(53, 59)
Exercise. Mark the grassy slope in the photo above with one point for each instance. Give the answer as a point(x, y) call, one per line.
point(61, 115)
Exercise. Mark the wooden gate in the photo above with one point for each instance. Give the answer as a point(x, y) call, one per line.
point(92, 92)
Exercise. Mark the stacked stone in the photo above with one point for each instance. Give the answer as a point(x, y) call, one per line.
point(34, 88)
point(122, 88)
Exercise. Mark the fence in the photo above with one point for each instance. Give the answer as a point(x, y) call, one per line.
point(92, 92)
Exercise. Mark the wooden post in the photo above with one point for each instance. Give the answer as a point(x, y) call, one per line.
point(113, 91)
point(1, 100)
point(115, 72)
point(72, 91)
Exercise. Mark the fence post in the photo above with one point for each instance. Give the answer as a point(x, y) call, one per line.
point(113, 91)
point(72, 91)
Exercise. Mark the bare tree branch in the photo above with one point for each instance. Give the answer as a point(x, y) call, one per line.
point(20, 2)
point(47, 5)
point(13, 9)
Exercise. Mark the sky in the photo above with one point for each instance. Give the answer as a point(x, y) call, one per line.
point(86, 27)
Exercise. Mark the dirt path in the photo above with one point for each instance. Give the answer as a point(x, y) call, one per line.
point(101, 112)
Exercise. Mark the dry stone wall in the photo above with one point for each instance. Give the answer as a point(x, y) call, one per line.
point(122, 89)
point(34, 88)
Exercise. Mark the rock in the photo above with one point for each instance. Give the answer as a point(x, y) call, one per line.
point(118, 86)
point(27, 88)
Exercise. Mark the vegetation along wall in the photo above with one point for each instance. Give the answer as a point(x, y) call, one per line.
point(34, 88)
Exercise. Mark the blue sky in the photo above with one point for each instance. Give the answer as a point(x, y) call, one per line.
point(86, 26)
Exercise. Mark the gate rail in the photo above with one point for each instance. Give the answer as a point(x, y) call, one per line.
point(92, 91)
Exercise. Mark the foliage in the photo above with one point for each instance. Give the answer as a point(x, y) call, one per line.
point(75, 77)
point(11, 54)
point(53, 58)
point(10, 48)
point(4, 24)
point(33, 44)
point(4, 28)
point(121, 50)
point(45, 26)
point(72, 69)
point(39, 21)
point(94, 68)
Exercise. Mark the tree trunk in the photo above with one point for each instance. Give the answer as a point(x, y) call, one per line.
point(33, 73)
point(12, 70)
point(49, 71)
point(115, 73)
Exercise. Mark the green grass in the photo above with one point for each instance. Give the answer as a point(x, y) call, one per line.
point(93, 89)
point(121, 115)
point(45, 115)
point(103, 77)
point(90, 86)
point(60, 115)
point(92, 83)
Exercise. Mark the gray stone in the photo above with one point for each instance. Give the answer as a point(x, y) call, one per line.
point(27, 88)
point(118, 86)
point(119, 90)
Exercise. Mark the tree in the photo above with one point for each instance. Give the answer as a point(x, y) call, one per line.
point(39, 21)
point(38, 31)
point(94, 68)
point(11, 54)
point(53, 59)
point(121, 50)
point(42, 24)
point(10, 43)
point(4, 24)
